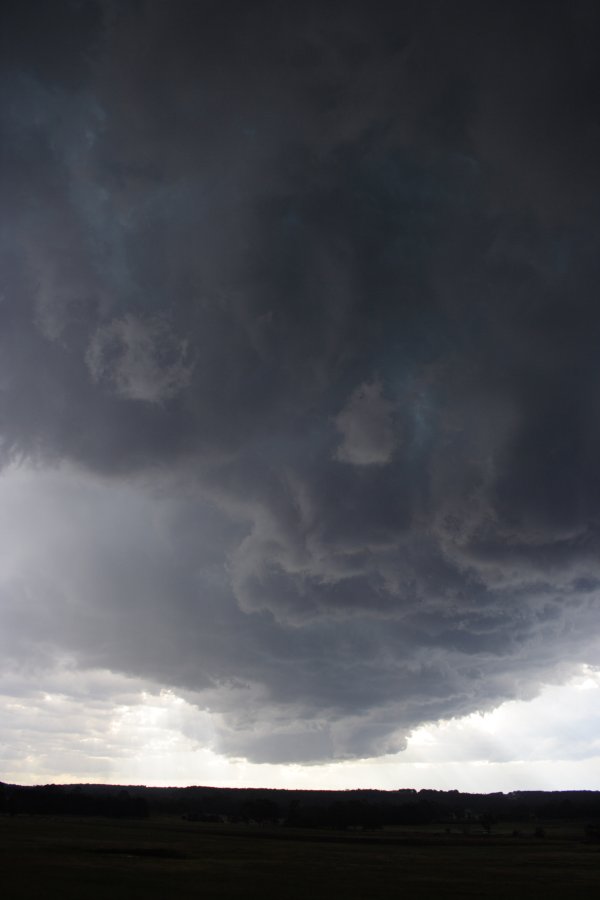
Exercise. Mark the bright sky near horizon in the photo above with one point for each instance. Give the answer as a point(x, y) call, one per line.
point(551, 742)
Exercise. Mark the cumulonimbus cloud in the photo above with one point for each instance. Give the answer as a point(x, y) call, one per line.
point(264, 280)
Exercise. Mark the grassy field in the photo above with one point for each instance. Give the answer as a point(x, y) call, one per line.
point(83, 859)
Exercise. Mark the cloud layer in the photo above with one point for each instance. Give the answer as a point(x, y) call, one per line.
point(299, 359)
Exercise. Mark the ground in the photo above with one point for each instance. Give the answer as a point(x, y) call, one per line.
point(82, 859)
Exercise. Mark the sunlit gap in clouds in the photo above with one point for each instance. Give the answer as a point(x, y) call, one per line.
point(160, 738)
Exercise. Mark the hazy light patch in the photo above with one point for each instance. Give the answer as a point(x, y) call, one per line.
point(366, 428)
point(141, 360)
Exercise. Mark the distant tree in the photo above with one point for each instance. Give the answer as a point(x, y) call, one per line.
point(261, 810)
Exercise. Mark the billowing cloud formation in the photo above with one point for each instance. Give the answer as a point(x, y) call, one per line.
point(299, 342)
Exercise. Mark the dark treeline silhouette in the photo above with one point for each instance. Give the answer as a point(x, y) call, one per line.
point(76, 800)
point(367, 809)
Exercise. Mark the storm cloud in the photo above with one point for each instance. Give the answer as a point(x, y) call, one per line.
point(299, 371)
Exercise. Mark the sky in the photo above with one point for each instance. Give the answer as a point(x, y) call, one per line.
point(300, 393)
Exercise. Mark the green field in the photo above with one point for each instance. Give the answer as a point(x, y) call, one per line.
point(83, 859)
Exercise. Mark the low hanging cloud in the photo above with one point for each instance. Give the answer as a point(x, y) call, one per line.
point(298, 358)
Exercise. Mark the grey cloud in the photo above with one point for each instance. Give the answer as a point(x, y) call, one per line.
point(140, 360)
point(366, 428)
point(310, 308)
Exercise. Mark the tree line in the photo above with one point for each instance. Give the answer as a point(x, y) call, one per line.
point(302, 809)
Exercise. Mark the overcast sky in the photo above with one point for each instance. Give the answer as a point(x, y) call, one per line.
point(299, 390)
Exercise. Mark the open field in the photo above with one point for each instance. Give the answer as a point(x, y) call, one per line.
point(83, 859)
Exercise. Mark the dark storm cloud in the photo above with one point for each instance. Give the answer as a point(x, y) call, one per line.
point(313, 294)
